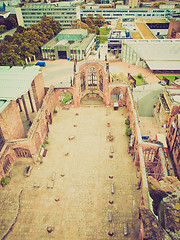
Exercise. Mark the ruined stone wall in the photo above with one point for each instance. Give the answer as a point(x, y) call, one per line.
point(6, 154)
point(173, 24)
point(173, 141)
point(38, 90)
point(11, 123)
point(39, 129)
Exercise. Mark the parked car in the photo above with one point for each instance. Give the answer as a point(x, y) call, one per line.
point(163, 83)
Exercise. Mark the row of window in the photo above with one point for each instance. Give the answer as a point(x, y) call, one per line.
point(47, 9)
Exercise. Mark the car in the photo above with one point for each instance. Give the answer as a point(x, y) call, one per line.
point(163, 83)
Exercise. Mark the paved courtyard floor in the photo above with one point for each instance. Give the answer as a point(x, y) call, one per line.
point(78, 204)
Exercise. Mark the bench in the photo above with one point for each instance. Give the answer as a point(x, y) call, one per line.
point(50, 185)
point(28, 171)
point(125, 228)
point(110, 216)
point(112, 188)
point(53, 176)
point(36, 185)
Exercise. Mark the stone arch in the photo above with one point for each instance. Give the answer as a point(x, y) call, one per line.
point(22, 152)
point(83, 81)
point(100, 80)
point(116, 94)
point(7, 163)
point(92, 78)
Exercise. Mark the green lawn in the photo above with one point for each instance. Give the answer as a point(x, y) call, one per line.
point(104, 31)
point(139, 81)
point(170, 78)
point(103, 39)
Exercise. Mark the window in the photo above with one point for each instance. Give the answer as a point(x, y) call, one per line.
point(92, 78)
point(100, 81)
point(2, 140)
point(83, 81)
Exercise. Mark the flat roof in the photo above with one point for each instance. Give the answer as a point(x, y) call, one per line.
point(77, 44)
point(164, 65)
point(72, 31)
point(84, 43)
point(16, 81)
point(158, 54)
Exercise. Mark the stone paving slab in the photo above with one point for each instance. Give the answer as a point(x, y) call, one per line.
point(82, 182)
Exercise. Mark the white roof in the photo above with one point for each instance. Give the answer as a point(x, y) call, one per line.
point(158, 54)
point(163, 65)
point(16, 81)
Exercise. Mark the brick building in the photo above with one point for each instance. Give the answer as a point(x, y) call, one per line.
point(25, 113)
point(173, 140)
point(168, 105)
point(174, 28)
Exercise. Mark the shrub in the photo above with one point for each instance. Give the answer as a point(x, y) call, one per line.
point(127, 122)
point(55, 111)
point(5, 181)
point(128, 131)
point(45, 143)
point(139, 75)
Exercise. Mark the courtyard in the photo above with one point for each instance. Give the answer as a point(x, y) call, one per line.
point(71, 189)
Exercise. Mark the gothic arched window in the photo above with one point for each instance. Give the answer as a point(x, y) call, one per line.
point(83, 81)
point(100, 81)
point(92, 78)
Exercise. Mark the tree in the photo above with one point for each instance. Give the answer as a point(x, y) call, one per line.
point(99, 20)
point(128, 131)
point(2, 28)
point(97, 1)
point(89, 22)
point(26, 42)
point(8, 38)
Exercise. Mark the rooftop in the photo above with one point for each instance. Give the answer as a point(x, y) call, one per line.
point(83, 44)
point(160, 54)
point(73, 31)
point(16, 81)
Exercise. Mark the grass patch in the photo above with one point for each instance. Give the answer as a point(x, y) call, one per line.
point(170, 78)
point(139, 80)
point(67, 98)
point(104, 31)
point(103, 39)
point(5, 181)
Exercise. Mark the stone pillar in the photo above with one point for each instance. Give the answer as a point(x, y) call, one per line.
point(20, 108)
point(25, 108)
point(29, 95)
point(26, 61)
point(34, 57)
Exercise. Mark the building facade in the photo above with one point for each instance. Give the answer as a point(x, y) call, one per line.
point(69, 44)
point(64, 12)
point(111, 14)
point(115, 39)
point(161, 54)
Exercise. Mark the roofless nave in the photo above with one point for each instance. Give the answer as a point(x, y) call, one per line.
point(75, 181)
